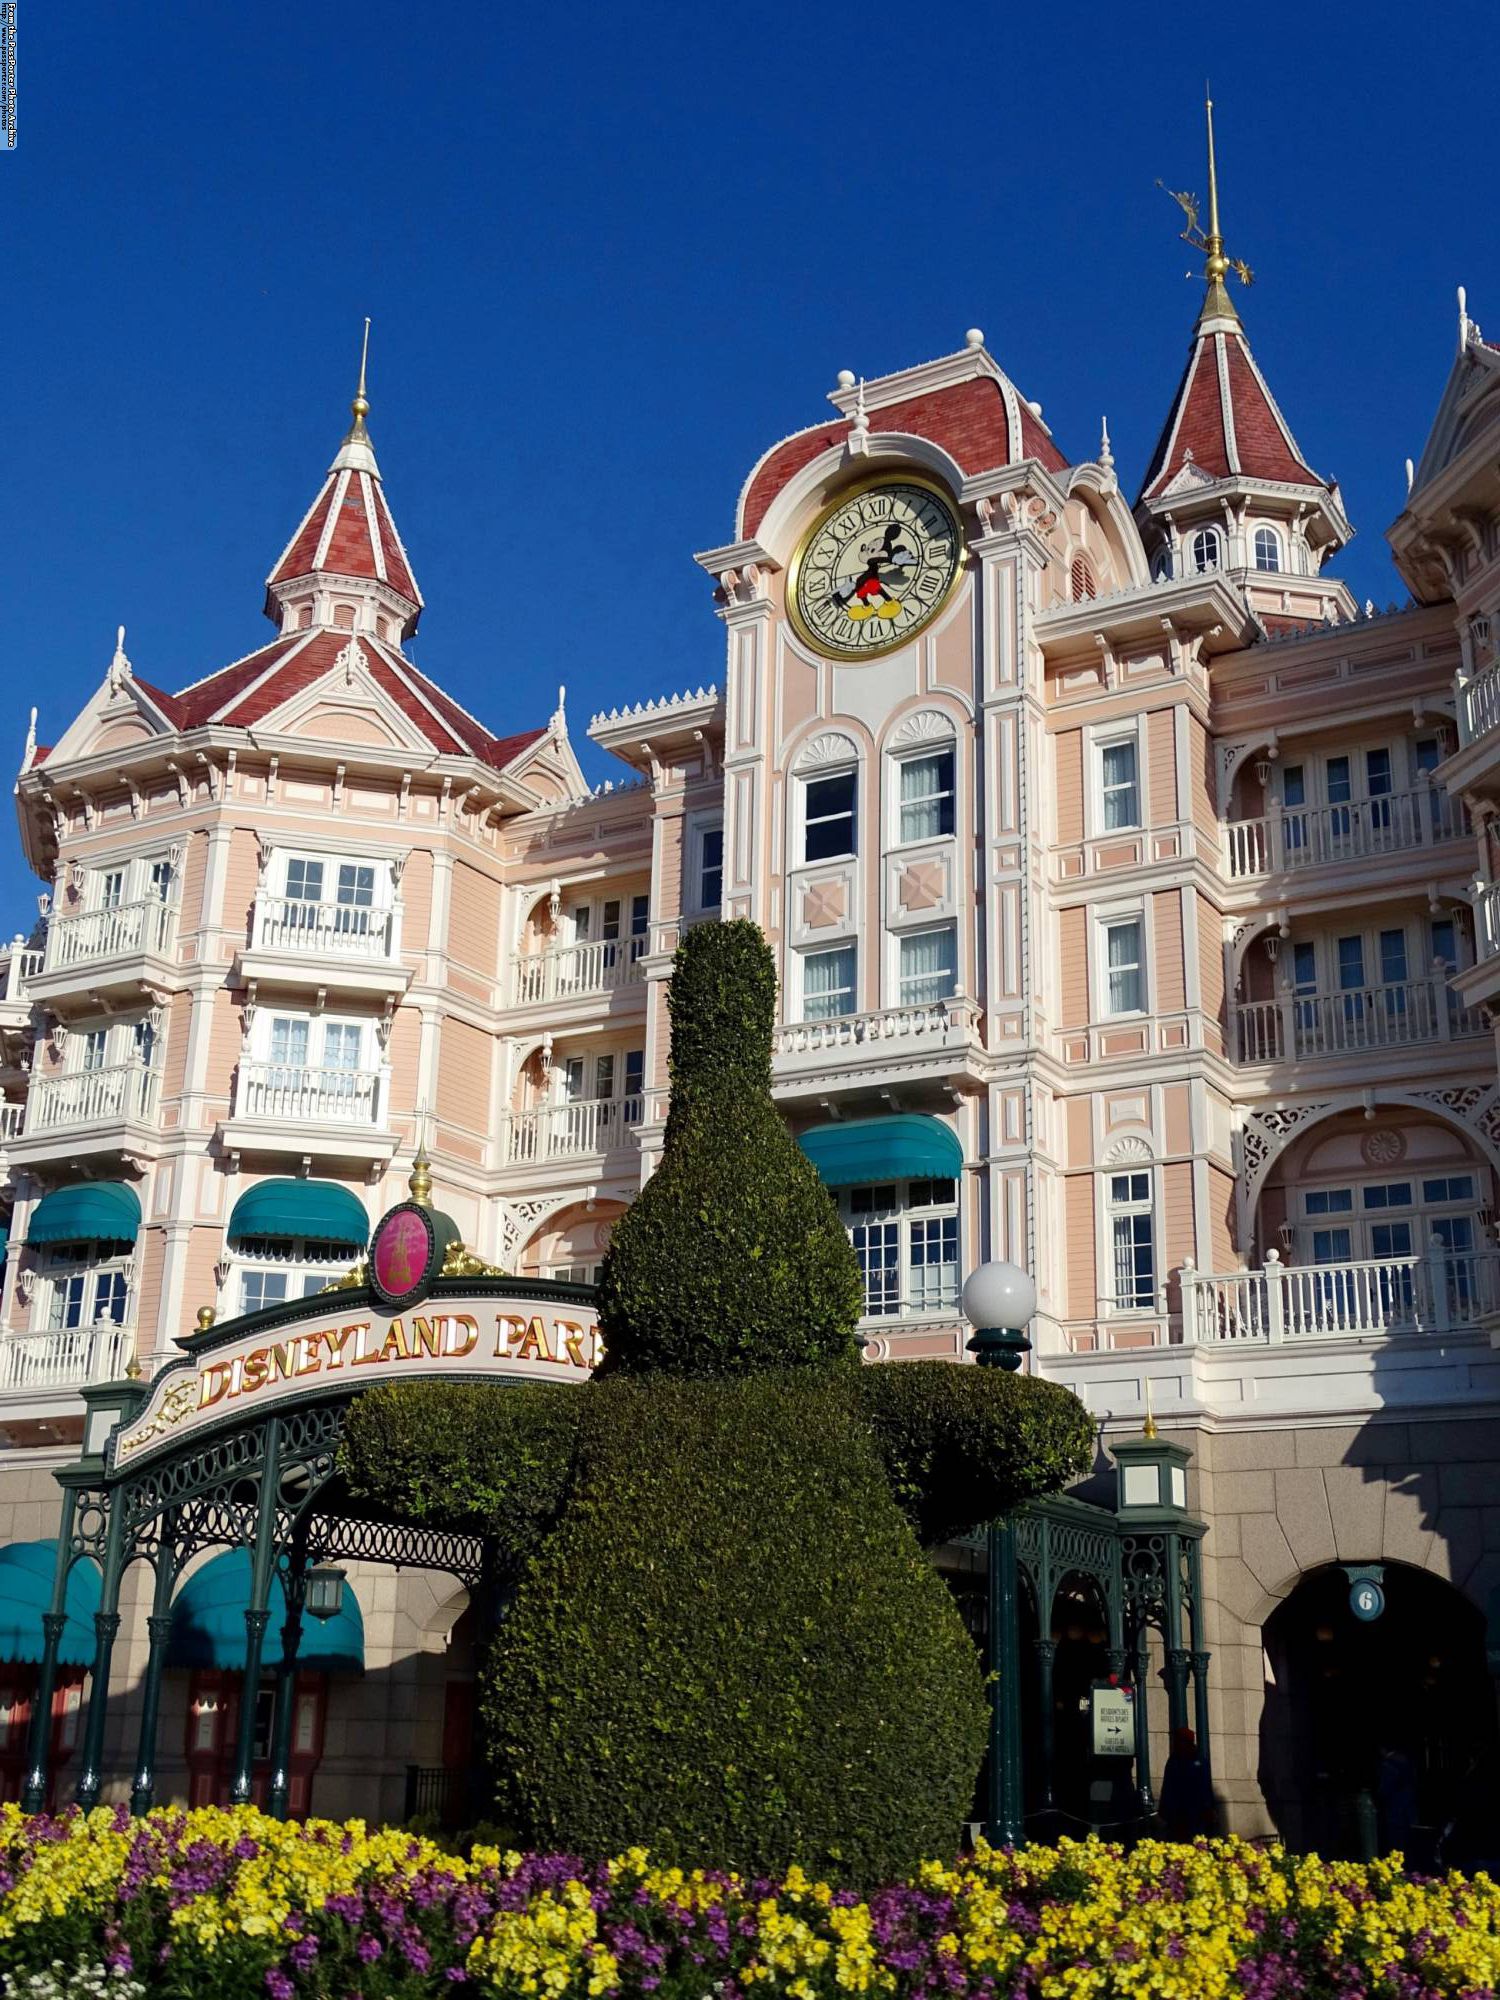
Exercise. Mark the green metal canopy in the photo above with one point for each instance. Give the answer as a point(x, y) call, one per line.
point(87, 1212)
point(208, 1623)
point(905, 1146)
point(319, 1211)
point(26, 1573)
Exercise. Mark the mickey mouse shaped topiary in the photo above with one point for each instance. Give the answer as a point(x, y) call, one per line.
point(725, 1642)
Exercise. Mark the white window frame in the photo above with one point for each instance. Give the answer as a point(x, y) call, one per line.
point(330, 860)
point(1101, 740)
point(122, 1040)
point(1106, 920)
point(849, 945)
point(317, 1025)
point(899, 940)
point(699, 827)
point(1278, 567)
point(906, 1217)
point(805, 780)
point(307, 1264)
point(937, 746)
point(1132, 1206)
point(135, 874)
point(1200, 568)
point(66, 1262)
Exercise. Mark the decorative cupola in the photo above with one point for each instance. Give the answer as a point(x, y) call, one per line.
point(1228, 487)
point(345, 568)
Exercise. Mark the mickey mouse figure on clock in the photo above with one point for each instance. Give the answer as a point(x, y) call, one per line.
point(875, 568)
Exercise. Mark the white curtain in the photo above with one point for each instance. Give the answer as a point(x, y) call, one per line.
point(929, 966)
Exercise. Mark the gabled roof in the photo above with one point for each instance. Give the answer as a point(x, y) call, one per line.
point(1224, 420)
point(348, 531)
point(245, 693)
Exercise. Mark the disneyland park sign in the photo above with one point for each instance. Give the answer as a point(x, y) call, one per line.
point(467, 1329)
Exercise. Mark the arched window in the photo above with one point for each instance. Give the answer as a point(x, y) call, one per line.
point(1083, 582)
point(1207, 548)
point(1161, 569)
point(1267, 549)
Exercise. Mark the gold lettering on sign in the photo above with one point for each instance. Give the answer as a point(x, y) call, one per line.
point(463, 1335)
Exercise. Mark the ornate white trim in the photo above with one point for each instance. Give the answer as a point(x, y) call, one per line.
point(925, 726)
point(1132, 1149)
point(829, 748)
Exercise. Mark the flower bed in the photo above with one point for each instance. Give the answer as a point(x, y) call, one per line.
point(237, 1906)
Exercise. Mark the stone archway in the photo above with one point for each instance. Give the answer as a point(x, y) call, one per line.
point(1376, 1733)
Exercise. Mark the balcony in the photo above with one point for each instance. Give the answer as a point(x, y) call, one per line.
point(936, 1041)
point(339, 947)
point(1478, 705)
point(1301, 838)
point(17, 970)
point(68, 1359)
point(577, 971)
point(296, 1109)
point(1308, 1027)
point(1443, 1292)
point(1333, 1341)
point(586, 1127)
point(105, 956)
point(112, 1108)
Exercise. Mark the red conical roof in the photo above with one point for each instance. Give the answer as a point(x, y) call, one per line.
point(1224, 419)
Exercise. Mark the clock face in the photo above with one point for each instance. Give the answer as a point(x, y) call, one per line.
point(875, 568)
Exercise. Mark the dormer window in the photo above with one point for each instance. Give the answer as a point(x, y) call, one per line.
point(1267, 549)
point(1084, 584)
point(304, 618)
point(1208, 550)
point(343, 617)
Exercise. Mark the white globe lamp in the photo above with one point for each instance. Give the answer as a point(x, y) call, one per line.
point(999, 1300)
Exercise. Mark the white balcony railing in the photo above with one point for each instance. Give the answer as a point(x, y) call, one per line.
point(292, 1092)
point(69, 1358)
point(892, 1024)
point(1440, 1292)
point(564, 1131)
point(1479, 705)
point(1323, 836)
point(1487, 920)
point(572, 971)
point(145, 926)
point(92, 1097)
point(329, 930)
point(1299, 1027)
point(12, 1119)
point(20, 965)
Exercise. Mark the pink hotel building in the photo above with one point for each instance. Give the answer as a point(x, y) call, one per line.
point(1135, 900)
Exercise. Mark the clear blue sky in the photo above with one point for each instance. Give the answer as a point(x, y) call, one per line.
point(612, 252)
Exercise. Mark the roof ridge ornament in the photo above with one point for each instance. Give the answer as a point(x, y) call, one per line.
point(119, 666)
point(357, 452)
point(360, 407)
point(1217, 303)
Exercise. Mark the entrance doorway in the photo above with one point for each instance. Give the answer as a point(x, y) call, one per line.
point(1377, 1734)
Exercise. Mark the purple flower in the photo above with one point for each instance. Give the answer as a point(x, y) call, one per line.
point(278, 1985)
point(368, 1949)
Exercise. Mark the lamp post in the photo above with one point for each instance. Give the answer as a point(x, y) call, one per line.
point(999, 1300)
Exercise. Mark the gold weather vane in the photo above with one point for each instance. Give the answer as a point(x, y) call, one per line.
point(360, 405)
point(1216, 266)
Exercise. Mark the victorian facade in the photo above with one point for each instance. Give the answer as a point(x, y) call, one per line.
point(1131, 889)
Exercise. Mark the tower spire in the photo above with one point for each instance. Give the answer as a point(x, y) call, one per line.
point(1217, 303)
point(360, 406)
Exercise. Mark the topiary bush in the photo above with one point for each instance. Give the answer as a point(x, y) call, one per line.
point(733, 1256)
point(724, 1641)
point(732, 1648)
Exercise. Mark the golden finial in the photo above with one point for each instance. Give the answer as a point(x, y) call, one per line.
point(206, 1317)
point(360, 405)
point(1148, 1428)
point(1216, 266)
point(420, 1184)
point(133, 1368)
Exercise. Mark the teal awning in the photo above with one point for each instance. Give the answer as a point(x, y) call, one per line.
point(87, 1212)
point(208, 1623)
point(27, 1570)
point(320, 1211)
point(906, 1146)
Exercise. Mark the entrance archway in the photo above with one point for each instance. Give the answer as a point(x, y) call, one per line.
point(1375, 1732)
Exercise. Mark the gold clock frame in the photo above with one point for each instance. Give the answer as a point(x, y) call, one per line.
point(841, 500)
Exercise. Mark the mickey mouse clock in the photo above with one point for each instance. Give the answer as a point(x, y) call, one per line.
point(875, 568)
